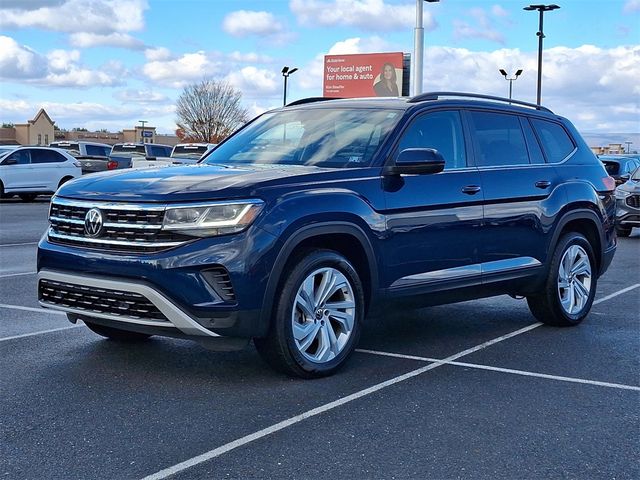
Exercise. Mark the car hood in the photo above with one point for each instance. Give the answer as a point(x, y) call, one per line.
point(630, 186)
point(182, 183)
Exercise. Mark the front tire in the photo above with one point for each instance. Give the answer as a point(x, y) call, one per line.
point(116, 334)
point(570, 288)
point(623, 231)
point(28, 197)
point(318, 317)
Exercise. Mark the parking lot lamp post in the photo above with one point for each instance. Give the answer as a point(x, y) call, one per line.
point(506, 77)
point(418, 47)
point(540, 34)
point(286, 71)
point(142, 122)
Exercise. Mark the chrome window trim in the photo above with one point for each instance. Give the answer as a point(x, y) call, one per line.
point(528, 165)
point(176, 316)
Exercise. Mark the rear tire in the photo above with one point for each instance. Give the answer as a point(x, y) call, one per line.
point(623, 231)
point(28, 197)
point(318, 317)
point(568, 293)
point(116, 334)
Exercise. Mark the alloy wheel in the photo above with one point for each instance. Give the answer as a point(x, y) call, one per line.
point(323, 316)
point(574, 279)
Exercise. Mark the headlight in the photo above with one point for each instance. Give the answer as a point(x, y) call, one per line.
point(213, 218)
point(622, 193)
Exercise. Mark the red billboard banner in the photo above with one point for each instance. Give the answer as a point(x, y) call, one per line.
point(363, 75)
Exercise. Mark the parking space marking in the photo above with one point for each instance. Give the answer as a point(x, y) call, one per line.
point(502, 370)
point(7, 275)
point(615, 294)
point(17, 244)
point(38, 333)
point(31, 309)
point(210, 455)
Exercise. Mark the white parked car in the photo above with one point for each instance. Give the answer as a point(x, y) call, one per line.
point(31, 171)
point(182, 153)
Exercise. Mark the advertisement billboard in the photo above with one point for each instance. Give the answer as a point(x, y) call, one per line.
point(363, 75)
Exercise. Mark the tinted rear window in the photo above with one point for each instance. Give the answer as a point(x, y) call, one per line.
point(97, 150)
point(556, 143)
point(500, 139)
point(46, 156)
point(612, 168)
point(128, 149)
point(72, 148)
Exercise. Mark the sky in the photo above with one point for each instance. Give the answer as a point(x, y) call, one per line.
point(111, 63)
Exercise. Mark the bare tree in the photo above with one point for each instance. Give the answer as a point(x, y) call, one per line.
point(210, 111)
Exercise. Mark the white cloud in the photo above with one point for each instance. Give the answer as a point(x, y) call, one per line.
point(59, 68)
point(255, 82)
point(243, 23)
point(95, 16)
point(249, 57)
point(498, 11)
point(156, 54)
point(368, 15)
point(19, 61)
point(180, 71)
point(631, 6)
point(115, 39)
point(63, 60)
point(144, 96)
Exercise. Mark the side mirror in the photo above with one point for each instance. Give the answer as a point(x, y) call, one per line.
point(417, 161)
point(10, 161)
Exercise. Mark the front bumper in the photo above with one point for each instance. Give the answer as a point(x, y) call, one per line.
point(628, 215)
point(176, 292)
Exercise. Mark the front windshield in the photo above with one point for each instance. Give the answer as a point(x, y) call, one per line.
point(331, 138)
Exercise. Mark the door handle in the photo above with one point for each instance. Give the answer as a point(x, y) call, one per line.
point(543, 184)
point(471, 189)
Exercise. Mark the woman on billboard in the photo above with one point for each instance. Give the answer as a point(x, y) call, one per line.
point(388, 85)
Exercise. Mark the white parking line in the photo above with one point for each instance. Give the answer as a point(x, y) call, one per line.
point(38, 333)
point(211, 454)
point(502, 370)
point(17, 244)
point(7, 275)
point(31, 309)
point(167, 472)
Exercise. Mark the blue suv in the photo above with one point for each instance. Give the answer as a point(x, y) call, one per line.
point(313, 216)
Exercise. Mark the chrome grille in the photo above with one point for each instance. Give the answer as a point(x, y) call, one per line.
point(133, 228)
point(633, 201)
point(98, 300)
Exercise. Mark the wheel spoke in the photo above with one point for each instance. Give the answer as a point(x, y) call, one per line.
point(333, 340)
point(325, 287)
point(324, 352)
point(307, 335)
point(340, 304)
point(305, 304)
point(582, 291)
point(582, 267)
point(344, 318)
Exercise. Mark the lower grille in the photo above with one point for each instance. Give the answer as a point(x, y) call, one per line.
point(98, 300)
point(218, 278)
point(633, 201)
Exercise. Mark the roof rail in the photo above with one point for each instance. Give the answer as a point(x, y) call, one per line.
point(302, 101)
point(436, 95)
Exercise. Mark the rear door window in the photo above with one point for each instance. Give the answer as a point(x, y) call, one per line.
point(556, 142)
point(46, 156)
point(535, 152)
point(499, 139)
point(441, 131)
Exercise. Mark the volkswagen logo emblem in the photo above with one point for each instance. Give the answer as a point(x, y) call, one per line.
point(93, 222)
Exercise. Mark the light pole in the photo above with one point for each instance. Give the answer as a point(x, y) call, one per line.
point(418, 47)
point(285, 73)
point(142, 130)
point(506, 77)
point(540, 34)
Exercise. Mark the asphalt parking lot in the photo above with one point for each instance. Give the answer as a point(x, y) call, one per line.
point(472, 390)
